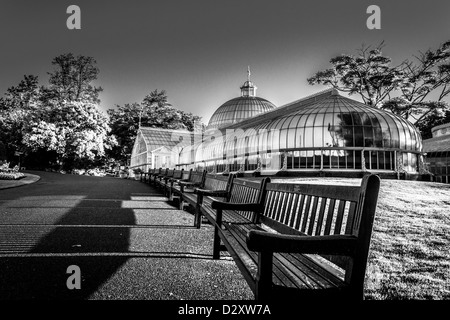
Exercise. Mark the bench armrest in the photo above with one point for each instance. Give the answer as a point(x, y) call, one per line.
point(258, 240)
point(211, 193)
point(187, 183)
point(222, 205)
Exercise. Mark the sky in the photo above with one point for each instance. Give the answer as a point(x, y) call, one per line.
point(198, 51)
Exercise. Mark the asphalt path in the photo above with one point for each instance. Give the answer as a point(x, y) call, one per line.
point(127, 241)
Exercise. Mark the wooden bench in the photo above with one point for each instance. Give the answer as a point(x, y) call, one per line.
point(174, 183)
point(195, 180)
point(217, 186)
point(157, 177)
point(153, 176)
point(245, 196)
point(145, 176)
point(299, 240)
point(169, 180)
point(161, 180)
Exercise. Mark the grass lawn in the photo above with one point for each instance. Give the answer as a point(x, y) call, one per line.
point(410, 250)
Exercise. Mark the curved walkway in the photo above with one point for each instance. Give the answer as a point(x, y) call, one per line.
point(29, 178)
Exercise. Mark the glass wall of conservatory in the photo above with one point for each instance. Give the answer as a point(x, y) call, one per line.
point(439, 165)
point(332, 133)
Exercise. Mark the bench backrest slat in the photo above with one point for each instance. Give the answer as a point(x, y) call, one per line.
point(178, 174)
point(320, 217)
point(217, 182)
point(197, 177)
point(186, 174)
point(331, 206)
point(245, 191)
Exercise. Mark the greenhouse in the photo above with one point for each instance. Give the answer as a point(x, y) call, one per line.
point(158, 148)
point(437, 150)
point(323, 132)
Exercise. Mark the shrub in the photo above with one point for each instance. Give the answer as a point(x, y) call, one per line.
point(11, 175)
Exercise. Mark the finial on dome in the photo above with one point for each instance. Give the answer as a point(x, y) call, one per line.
point(248, 89)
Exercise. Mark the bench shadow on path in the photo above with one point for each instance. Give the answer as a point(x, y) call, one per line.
point(43, 274)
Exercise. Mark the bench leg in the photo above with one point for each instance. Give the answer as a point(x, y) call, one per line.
point(181, 205)
point(216, 245)
point(264, 276)
point(198, 217)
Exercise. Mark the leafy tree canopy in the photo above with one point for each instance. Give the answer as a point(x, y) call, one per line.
point(154, 111)
point(59, 122)
point(72, 79)
point(415, 90)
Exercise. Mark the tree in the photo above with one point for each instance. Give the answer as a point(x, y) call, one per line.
point(434, 118)
point(428, 76)
point(124, 125)
point(16, 105)
point(368, 74)
point(59, 123)
point(72, 79)
point(154, 111)
point(402, 90)
point(74, 132)
point(24, 95)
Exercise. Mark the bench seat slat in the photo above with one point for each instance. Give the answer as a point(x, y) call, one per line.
point(296, 271)
point(237, 234)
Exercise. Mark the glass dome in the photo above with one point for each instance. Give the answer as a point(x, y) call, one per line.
point(324, 131)
point(341, 122)
point(246, 106)
point(238, 109)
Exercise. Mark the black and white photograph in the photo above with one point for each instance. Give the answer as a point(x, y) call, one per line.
point(225, 158)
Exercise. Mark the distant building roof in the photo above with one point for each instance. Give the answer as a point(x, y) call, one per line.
point(437, 144)
point(443, 129)
point(158, 137)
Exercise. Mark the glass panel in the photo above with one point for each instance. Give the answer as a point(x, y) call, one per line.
point(374, 160)
point(283, 138)
point(368, 137)
point(308, 138)
point(309, 159)
point(342, 159)
point(347, 134)
point(317, 159)
point(318, 136)
point(334, 160)
point(291, 138)
point(350, 160)
point(326, 159)
point(357, 159)
point(318, 122)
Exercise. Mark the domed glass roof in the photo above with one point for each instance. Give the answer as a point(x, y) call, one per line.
point(325, 121)
point(238, 109)
point(338, 121)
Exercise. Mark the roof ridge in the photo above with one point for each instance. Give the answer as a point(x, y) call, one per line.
point(164, 129)
point(295, 104)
